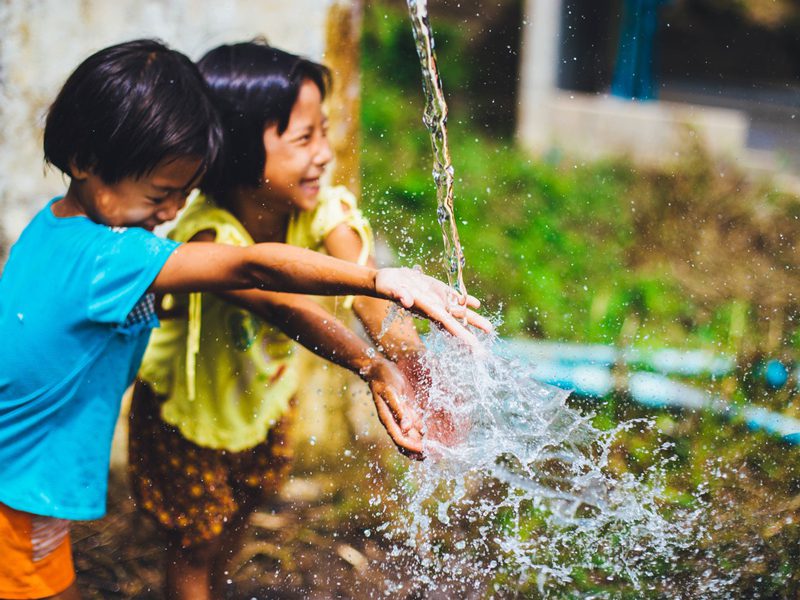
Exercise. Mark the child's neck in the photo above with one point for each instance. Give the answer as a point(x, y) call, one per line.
point(261, 222)
point(70, 205)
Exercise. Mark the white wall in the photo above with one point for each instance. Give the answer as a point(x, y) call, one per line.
point(592, 126)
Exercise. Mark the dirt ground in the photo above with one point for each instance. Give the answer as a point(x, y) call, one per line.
point(296, 548)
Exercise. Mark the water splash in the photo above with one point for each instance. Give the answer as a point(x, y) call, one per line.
point(519, 490)
point(435, 119)
point(519, 494)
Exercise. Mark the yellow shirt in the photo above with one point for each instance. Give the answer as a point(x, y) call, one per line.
point(228, 376)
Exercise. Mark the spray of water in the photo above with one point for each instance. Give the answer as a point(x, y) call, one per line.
point(518, 487)
point(519, 493)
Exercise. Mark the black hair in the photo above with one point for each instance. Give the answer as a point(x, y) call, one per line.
point(129, 107)
point(254, 86)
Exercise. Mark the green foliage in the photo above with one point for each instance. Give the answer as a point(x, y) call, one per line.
point(545, 242)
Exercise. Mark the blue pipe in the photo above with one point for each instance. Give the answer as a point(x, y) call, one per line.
point(595, 380)
point(666, 361)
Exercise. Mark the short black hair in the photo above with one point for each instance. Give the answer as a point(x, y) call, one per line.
point(129, 107)
point(254, 86)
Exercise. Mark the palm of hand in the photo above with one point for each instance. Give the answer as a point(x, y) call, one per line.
point(391, 393)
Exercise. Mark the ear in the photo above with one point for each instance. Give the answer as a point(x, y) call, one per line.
point(76, 172)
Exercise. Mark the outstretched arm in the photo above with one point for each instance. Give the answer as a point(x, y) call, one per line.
point(207, 266)
point(308, 323)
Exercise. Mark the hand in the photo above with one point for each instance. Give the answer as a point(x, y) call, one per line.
point(442, 425)
point(392, 395)
point(418, 375)
point(431, 299)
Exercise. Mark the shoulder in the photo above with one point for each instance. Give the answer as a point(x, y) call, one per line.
point(134, 245)
point(203, 214)
point(336, 205)
point(337, 198)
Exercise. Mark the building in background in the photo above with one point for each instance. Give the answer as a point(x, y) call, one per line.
point(635, 77)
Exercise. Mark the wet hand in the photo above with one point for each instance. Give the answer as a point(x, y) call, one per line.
point(393, 396)
point(445, 426)
point(433, 300)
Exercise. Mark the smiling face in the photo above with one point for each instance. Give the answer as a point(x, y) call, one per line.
point(297, 158)
point(144, 202)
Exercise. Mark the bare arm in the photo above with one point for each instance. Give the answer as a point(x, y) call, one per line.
point(307, 322)
point(207, 266)
point(304, 320)
point(212, 267)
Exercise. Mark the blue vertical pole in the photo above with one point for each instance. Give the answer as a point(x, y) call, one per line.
point(633, 73)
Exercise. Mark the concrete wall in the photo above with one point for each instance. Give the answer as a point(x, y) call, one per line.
point(42, 41)
point(593, 125)
point(649, 132)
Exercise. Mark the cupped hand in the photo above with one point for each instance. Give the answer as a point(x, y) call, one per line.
point(432, 299)
point(393, 396)
point(445, 426)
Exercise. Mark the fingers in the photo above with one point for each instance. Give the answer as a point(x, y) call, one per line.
point(456, 328)
point(471, 317)
point(402, 422)
point(467, 301)
point(401, 414)
point(479, 321)
point(409, 443)
point(431, 299)
point(451, 324)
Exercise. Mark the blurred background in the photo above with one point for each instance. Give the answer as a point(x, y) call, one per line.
point(627, 180)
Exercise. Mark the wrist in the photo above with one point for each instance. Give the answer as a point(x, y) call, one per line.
point(370, 366)
point(376, 292)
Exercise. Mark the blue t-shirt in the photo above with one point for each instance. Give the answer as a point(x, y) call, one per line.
point(74, 322)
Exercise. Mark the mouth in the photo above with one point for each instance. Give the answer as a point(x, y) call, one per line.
point(310, 184)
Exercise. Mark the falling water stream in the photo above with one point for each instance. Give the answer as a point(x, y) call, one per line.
point(519, 492)
point(435, 119)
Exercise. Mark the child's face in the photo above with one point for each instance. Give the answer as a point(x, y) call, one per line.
point(297, 159)
point(145, 202)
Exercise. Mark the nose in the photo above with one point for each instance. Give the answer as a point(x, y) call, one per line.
point(169, 210)
point(324, 154)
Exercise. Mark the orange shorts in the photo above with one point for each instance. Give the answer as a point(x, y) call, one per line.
point(35, 555)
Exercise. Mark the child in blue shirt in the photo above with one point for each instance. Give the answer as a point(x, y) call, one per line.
point(134, 130)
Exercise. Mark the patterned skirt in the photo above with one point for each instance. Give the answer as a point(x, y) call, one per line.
point(191, 491)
